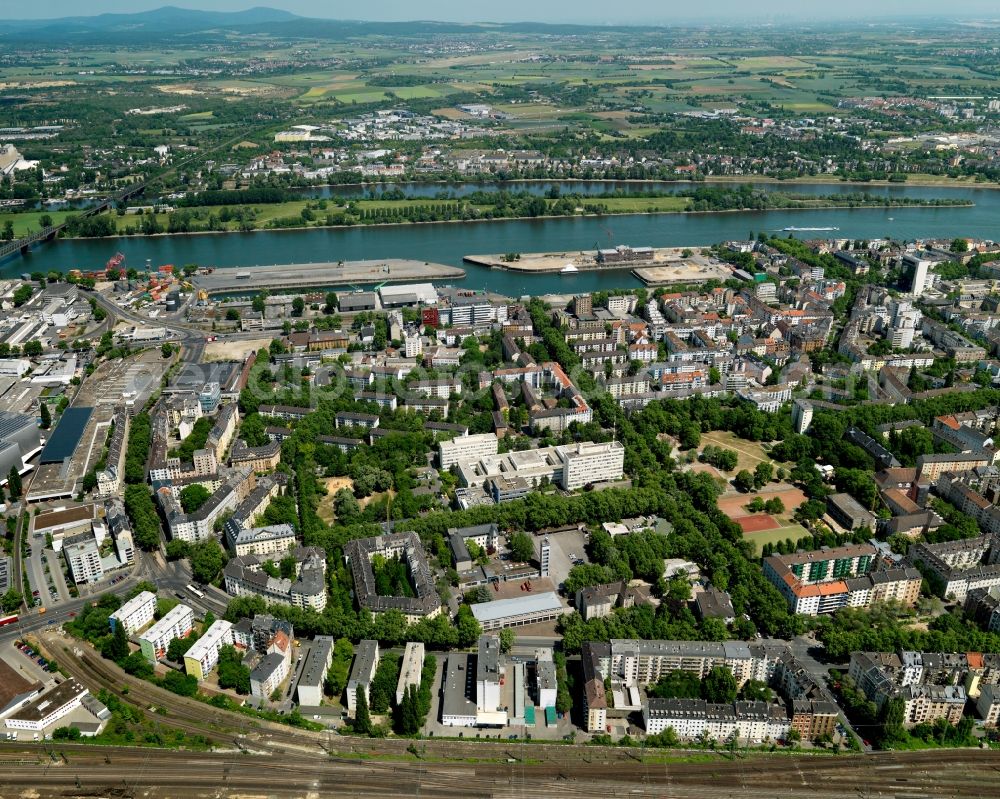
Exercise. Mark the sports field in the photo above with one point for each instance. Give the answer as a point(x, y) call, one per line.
point(757, 523)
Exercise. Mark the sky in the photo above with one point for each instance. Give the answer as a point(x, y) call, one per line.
point(580, 11)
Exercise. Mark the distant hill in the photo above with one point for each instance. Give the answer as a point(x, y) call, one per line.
point(170, 21)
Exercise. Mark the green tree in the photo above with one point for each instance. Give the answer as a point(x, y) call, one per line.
point(180, 684)
point(676, 685)
point(117, 649)
point(468, 627)
point(755, 691)
point(177, 549)
point(233, 675)
point(521, 547)
point(960, 245)
point(762, 474)
point(14, 486)
point(507, 639)
point(166, 349)
point(11, 600)
point(193, 497)
point(719, 685)
point(178, 647)
point(207, 560)
point(253, 430)
point(743, 481)
point(298, 306)
point(362, 718)
point(45, 415)
point(408, 712)
point(690, 436)
point(890, 719)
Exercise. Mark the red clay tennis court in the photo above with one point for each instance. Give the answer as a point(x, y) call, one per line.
point(757, 524)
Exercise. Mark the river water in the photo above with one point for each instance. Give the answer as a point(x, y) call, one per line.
point(447, 243)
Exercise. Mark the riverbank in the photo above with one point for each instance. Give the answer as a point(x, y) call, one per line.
point(446, 243)
point(617, 207)
point(317, 275)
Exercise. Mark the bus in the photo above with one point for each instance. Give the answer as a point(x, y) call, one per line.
point(5, 620)
point(195, 591)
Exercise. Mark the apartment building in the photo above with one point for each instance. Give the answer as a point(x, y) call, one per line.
point(932, 685)
point(595, 699)
point(200, 524)
point(268, 675)
point(598, 601)
point(824, 581)
point(83, 556)
point(410, 669)
point(258, 459)
point(812, 718)
point(222, 432)
point(309, 689)
point(135, 614)
point(244, 576)
point(200, 660)
point(634, 662)
point(959, 567)
point(272, 540)
point(691, 719)
point(366, 657)
point(405, 546)
point(467, 448)
point(177, 623)
point(109, 479)
point(931, 467)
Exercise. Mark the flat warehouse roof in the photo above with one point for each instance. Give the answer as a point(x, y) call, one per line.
point(502, 608)
point(66, 437)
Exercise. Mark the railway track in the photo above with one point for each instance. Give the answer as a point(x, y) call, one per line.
point(79, 771)
point(282, 761)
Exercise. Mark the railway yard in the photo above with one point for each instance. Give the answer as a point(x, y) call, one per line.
point(256, 758)
point(74, 770)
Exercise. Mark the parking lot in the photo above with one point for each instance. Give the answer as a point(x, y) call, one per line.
point(567, 546)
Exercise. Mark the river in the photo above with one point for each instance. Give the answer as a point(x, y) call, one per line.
point(447, 243)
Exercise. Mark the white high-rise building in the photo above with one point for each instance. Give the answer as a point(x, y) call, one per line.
point(802, 415)
point(413, 345)
point(921, 273)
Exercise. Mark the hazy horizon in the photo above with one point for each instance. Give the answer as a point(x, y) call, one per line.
point(560, 11)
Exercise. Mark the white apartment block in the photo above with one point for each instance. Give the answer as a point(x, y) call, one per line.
point(586, 462)
point(410, 669)
point(136, 613)
point(275, 539)
point(636, 662)
point(201, 659)
point(177, 623)
point(749, 722)
point(83, 556)
point(571, 466)
point(466, 448)
point(413, 345)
